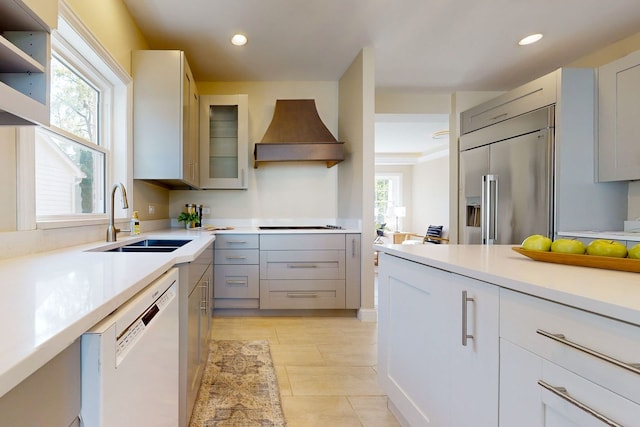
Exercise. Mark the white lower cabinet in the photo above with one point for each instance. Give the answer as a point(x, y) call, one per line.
point(430, 374)
point(561, 366)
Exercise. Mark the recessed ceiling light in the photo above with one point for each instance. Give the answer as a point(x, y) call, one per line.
point(239, 39)
point(530, 39)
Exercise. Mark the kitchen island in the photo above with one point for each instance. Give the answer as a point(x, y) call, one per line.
point(507, 339)
point(50, 299)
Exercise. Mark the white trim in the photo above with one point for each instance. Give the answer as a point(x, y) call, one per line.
point(67, 14)
point(368, 314)
point(26, 178)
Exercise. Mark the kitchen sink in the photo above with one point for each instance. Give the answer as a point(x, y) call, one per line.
point(148, 246)
point(159, 242)
point(143, 249)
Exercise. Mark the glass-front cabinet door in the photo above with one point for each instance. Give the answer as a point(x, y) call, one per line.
point(224, 146)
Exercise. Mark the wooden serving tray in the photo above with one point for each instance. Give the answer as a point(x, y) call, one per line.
point(609, 263)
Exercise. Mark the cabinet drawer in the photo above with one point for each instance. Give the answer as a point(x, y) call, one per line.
point(237, 241)
point(600, 349)
point(570, 400)
point(531, 96)
point(302, 294)
point(302, 265)
point(301, 242)
point(231, 256)
point(236, 281)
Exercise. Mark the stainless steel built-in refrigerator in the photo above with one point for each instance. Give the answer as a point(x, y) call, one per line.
point(506, 180)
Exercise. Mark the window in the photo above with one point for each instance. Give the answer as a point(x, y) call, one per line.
point(387, 198)
point(70, 162)
point(89, 128)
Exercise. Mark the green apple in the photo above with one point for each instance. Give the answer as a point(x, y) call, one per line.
point(536, 242)
point(610, 248)
point(634, 251)
point(568, 246)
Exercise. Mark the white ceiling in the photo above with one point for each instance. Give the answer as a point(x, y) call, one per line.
point(408, 138)
point(438, 45)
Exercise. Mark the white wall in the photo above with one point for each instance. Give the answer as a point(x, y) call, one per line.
point(277, 190)
point(356, 177)
point(430, 197)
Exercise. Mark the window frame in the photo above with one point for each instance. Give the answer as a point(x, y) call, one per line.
point(73, 37)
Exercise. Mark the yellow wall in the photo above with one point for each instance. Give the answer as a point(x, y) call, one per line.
point(113, 26)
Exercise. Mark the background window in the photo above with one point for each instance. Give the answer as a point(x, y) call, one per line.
point(387, 198)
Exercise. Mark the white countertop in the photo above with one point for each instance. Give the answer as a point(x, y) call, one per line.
point(611, 293)
point(256, 230)
point(50, 299)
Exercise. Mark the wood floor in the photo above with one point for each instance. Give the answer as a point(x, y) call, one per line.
point(326, 367)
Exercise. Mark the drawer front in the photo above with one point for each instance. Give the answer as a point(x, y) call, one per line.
point(600, 349)
point(302, 294)
point(301, 242)
point(570, 400)
point(231, 256)
point(305, 265)
point(236, 281)
point(237, 241)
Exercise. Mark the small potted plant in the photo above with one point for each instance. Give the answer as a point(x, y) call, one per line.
point(189, 219)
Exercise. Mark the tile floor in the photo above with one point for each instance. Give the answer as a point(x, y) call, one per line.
point(326, 367)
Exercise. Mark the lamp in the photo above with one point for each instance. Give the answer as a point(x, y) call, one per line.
point(400, 212)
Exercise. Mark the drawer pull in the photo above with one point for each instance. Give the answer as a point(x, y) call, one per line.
point(235, 257)
point(302, 266)
point(236, 282)
point(465, 334)
point(499, 116)
point(236, 241)
point(563, 394)
point(302, 295)
point(633, 367)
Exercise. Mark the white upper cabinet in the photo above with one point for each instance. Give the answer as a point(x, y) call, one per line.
point(25, 56)
point(165, 114)
point(618, 107)
point(224, 141)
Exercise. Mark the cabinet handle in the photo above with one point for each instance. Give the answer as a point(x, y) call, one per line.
point(236, 282)
point(236, 241)
point(633, 367)
point(302, 295)
point(499, 116)
point(563, 394)
point(235, 257)
point(353, 248)
point(465, 335)
point(302, 266)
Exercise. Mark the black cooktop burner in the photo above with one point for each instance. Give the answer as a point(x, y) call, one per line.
point(300, 227)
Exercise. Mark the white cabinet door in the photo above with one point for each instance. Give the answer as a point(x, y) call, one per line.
point(165, 135)
point(224, 141)
point(423, 365)
point(415, 340)
point(618, 106)
point(475, 364)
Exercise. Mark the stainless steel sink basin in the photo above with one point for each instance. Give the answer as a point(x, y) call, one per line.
point(144, 249)
point(175, 243)
point(149, 245)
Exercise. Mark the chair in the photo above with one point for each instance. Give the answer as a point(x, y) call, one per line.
point(433, 235)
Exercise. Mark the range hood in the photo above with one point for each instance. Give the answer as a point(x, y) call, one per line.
point(296, 133)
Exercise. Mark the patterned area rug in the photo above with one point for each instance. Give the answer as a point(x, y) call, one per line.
point(239, 387)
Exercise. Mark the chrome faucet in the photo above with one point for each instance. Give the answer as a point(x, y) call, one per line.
point(111, 229)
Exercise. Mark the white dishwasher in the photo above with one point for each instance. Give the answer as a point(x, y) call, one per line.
point(130, 361)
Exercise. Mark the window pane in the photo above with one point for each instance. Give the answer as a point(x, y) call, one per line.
point(74, 102)
point(69, 177)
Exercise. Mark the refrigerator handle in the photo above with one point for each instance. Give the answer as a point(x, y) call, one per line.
point(489, 226)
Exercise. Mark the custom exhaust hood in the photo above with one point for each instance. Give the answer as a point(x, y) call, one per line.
point(296, 133)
